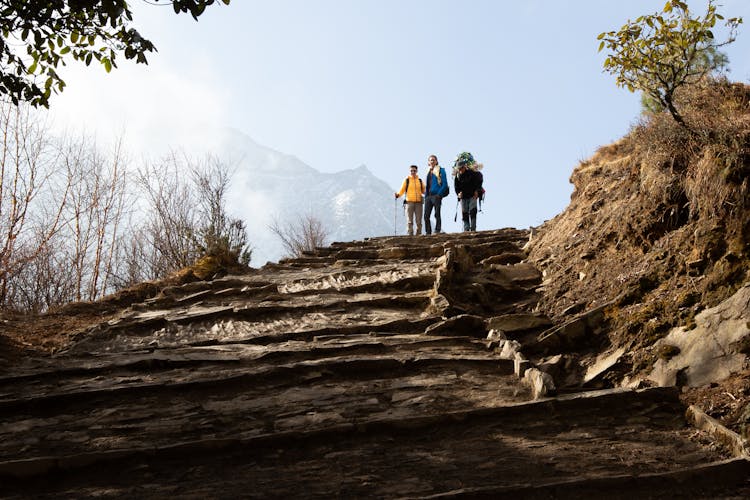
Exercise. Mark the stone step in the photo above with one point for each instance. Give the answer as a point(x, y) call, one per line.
point(166, 366)
point(201, 324)
point(558, 446)
point(303, 396)
point(701, 481)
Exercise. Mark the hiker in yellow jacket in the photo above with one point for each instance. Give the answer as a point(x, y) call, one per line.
point(414, 189)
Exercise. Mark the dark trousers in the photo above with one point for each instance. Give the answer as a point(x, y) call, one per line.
point(430, 202)
point(469, 213)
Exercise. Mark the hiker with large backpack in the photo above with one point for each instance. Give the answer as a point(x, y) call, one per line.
point(435, 190)
point(414, 190)
point(468, 186)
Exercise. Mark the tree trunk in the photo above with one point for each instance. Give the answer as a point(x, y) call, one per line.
point(673, 111)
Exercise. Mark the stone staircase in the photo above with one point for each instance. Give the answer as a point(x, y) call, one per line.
point(364, 369)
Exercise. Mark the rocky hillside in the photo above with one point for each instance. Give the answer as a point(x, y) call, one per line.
point(601, 354)
point(655, 243)
point(393, 367)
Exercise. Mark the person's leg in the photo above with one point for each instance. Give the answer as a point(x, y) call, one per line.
point(438, 224)
point(465, 213)
point(427, 211)
point(418, 217)
point(410, 219)
point(473, 214)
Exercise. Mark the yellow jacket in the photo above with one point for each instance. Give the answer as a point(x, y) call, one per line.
point(416, 189)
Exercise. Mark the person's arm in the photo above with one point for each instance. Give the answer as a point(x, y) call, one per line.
point(457, 186)
point(401, 191)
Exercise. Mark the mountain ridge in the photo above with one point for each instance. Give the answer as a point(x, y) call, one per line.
point(269, 187)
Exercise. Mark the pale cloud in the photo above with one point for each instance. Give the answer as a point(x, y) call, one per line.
point(155, 109)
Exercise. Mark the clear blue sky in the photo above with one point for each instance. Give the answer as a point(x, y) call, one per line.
point(384, 83)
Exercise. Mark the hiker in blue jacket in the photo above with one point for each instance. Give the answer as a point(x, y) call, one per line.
point(436, 189)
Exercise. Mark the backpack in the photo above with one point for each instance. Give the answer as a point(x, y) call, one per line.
point(481, 190)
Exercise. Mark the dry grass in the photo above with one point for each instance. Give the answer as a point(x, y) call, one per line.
point(666, 205)
point(700, 172)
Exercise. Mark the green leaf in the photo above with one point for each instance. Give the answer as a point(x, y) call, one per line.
point(32, 68)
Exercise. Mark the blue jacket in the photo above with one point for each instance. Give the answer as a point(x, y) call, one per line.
point(433, 188)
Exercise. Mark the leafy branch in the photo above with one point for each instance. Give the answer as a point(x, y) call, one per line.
point(37, 36)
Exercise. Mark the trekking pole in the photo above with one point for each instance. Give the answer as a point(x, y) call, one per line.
point(395, 212)
point(455, 217)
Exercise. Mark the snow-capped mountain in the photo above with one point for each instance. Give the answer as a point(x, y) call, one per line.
point(270, 186)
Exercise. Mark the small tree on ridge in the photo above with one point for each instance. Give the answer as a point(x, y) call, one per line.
point(660, 53)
